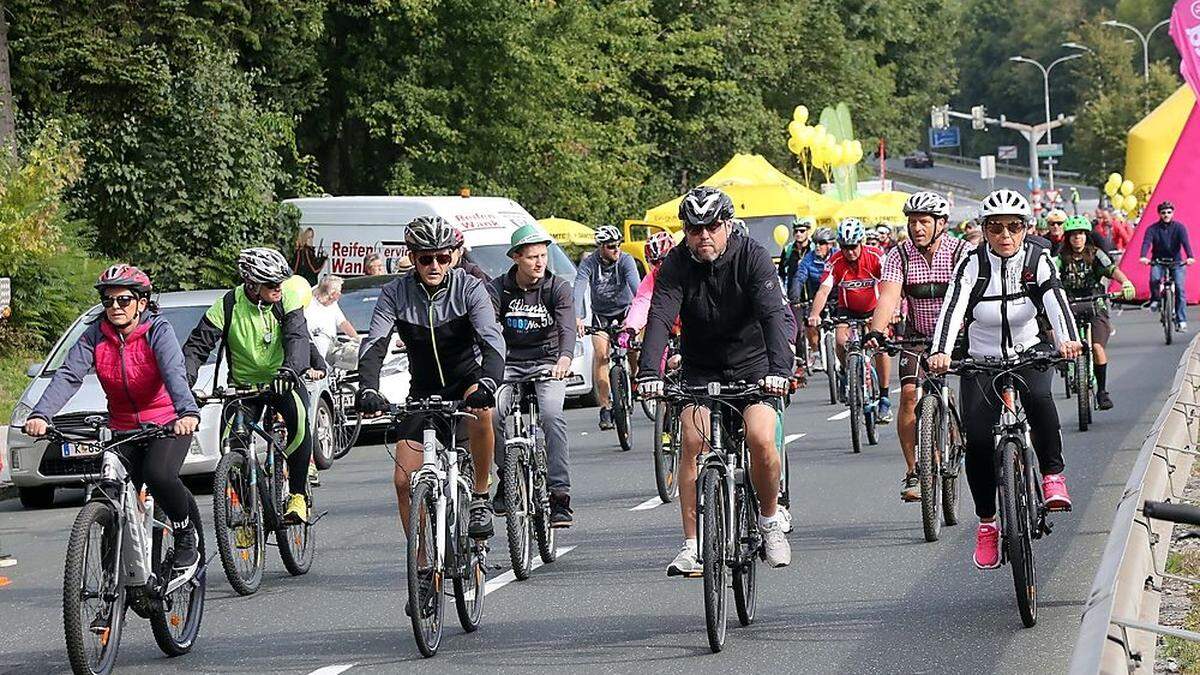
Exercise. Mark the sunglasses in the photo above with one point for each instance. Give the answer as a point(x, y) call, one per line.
point(427, 259)
point(1012, 228)
point(272, 286)
point(611, 247)
point(849, 247)
point(121, 301)
point(711, 227)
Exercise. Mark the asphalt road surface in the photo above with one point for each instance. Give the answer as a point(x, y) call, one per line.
point(966, 183)
point(864, 593)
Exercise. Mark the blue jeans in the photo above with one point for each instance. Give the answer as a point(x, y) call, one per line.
point(1180, 274)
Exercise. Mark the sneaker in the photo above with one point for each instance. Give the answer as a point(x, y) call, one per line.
point(560, 510)
point(785, 517)
point(1181, 326)
point(685, 564)
point(499, 504)
point(7, 560)
point(186, 556)
point(1054, 491)
point(911, 491)
point(1103, 400)
point(1154, 307)
point(775, 545)
point(314, 476)
point(297, 510)
point(883, 412)
point(479, 526)
point(606, 419)
point(987, 546)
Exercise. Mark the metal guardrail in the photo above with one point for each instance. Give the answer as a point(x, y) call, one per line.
point(1119, 626)
point(1012, 171)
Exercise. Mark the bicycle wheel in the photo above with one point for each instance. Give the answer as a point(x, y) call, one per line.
point(238, 524)
point(1065, 371)
point(297, 543)
point(347, 422)
point(93, 595)
point(543, 529)
point(324, 440)
point(829, 349)
point(745, 569)
point(666, 459)
point(1017, 532)
point(1167, 311)
point(854, 398)
point(517, 522)
point(871, 391)
point(713, 514)
point(622, 414)
point(1083, 389)
point(929, 443)
point(647, 408)
point(952, 465)
point(175, 619)
point(469, 583)
point(426, 601)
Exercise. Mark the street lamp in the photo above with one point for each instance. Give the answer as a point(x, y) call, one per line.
point(1046, 91)
point(1145, 38)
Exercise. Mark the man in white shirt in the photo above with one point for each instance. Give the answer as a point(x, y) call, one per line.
point(324, 317)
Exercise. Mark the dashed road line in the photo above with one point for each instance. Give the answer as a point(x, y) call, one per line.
point(648, 504)
point(839, 416)
point(333, 670)
point(792, 437)
point(508, 577)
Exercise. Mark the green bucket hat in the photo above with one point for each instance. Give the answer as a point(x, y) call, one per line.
point(528, 234)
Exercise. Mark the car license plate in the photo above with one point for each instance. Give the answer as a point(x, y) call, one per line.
point(73, 450)
point(346, 400)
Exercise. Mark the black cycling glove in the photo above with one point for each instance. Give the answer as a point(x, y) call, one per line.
point(371, 402)
point(483, 397)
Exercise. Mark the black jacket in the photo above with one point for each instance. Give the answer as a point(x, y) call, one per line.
point(731, 313)
point(539, 323)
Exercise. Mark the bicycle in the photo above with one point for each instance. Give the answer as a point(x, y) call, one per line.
point(941, 450)
point(439, 545)
point(726, 506)
point(861, 384)
point(1166, 295)
point(621, 384)
point(526, 482)
point(667, 440)
point(827, 339)
point(1023, 512)
point(1080, 370)
point(343, 386)
point(250, 489)
point(120, 555)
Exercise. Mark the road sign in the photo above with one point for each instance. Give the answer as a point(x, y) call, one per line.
point(944, 138)
point(987, 167)
point(1006, 152)
point(5, 297)
point(1049, 150)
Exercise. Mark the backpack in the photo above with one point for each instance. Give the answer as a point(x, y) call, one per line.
point(227, 303)
point(1029, 285)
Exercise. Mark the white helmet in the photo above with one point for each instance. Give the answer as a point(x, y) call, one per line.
point(263, 266)
point(851, 232)
point(607, 234)
point(927, 202)
point(1005, 203)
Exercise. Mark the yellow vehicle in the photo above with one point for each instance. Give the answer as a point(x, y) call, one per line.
point(637, 232)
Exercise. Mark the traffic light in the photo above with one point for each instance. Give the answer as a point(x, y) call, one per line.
point(977, 117)
point(939, 117)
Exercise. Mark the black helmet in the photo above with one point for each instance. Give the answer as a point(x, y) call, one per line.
point(1164, 205)
point(704, 206)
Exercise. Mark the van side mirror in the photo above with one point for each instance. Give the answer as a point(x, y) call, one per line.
point(34, 369)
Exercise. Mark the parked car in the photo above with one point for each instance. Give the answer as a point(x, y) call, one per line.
point(38, 467)
point(919, 160)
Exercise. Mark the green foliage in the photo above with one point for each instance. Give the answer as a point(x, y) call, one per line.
point(13, 364)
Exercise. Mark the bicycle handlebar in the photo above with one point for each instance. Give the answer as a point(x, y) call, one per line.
point(713, 390)
point(1166, 262)
point(1040, 361)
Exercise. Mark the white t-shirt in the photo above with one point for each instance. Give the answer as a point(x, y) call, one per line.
point(323, 322)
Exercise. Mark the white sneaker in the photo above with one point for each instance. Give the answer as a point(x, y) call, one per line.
point(775, 545)
point(1182, 326)
point(785, 518)
point(684, 564)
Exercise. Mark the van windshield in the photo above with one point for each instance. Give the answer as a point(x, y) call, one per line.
point(494, 260)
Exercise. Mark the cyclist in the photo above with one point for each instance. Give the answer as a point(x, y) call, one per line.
point(656, 248)
point(724, 289)
point(1162, 241)
point(811, 269)
point(791, 255)
point(611, 278)
point(998, 292)
point(136, 356)
point(883, 234)
point(1082, 266)
point(463, 260)
point(264, 334)
point(455, 350)
point(1054, 229)
point(855, 271)
point(537, 315)
point(918, 270)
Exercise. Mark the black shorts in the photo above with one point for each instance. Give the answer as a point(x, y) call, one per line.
point(412, 427)
point(604, 321)
point(839, 313)
point(911, 358)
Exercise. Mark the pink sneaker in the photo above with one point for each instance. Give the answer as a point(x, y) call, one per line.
point(987, 546)
point(1054, 491)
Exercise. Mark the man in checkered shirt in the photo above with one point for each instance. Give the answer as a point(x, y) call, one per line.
point(917, 270)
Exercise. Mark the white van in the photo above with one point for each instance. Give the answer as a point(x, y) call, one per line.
point(348, 228)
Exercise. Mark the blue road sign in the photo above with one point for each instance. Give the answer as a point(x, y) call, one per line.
point(944, 138)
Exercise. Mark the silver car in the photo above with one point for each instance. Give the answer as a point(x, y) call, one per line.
point(39, 467)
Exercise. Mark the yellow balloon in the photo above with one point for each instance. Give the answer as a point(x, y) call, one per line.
point(820, 130)
point(300, 287)
point(837, 155)
point(857, 154)
point(1114, 177)
point(794, 128)
point(781, 235)
point(795, 145)
point(1127, 187)
point(1111, 189)
point(800, 114)
point(1131, 203)
point(806, 136)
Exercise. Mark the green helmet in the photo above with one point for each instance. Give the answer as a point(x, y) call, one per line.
point(528, 234)
point(1077, 223)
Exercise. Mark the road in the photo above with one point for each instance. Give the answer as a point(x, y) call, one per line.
point(864, 593)
point(965, 181)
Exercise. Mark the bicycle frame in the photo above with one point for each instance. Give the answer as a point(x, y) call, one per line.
point(439, 465)
point(246, 426)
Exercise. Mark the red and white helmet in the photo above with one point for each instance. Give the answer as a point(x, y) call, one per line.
point(125, 276)
point(658, 246)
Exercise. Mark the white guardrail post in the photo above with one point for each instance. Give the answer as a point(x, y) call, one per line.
point(1119, 627)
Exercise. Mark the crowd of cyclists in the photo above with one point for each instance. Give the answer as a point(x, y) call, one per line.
point(737, 314)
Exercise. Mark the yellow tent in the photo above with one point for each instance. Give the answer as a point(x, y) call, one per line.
point(1152, 140)
point(868, 209)
point(568, 231)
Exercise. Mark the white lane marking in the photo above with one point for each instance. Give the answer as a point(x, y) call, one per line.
point(792, 437)
point(333, 670)
point(583, 433)
point(508, 577)
point(840, 416)
point(648, 504)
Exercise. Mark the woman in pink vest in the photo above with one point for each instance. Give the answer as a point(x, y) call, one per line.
point(138, 360)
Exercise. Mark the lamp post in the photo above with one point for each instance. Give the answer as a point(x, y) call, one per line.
point(1145, 38)
point(1046, 93)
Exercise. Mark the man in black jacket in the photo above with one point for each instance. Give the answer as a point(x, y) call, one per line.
point(537, 316)
point(725, 291)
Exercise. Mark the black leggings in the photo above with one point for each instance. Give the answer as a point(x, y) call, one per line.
point(980, 408)
point(155, 464)
point(293, 407)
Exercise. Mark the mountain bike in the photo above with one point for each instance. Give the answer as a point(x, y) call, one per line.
point(1167, 295)
point(343, 387)
point(439, 545)
point(250, 488)
point(120, 555)
point(1023, 513)
point(621, 383)
point(526, 482)
point(827, 340)
point(730, 543)
point(667, 439)
point(861, 384)
point(1081, 370)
